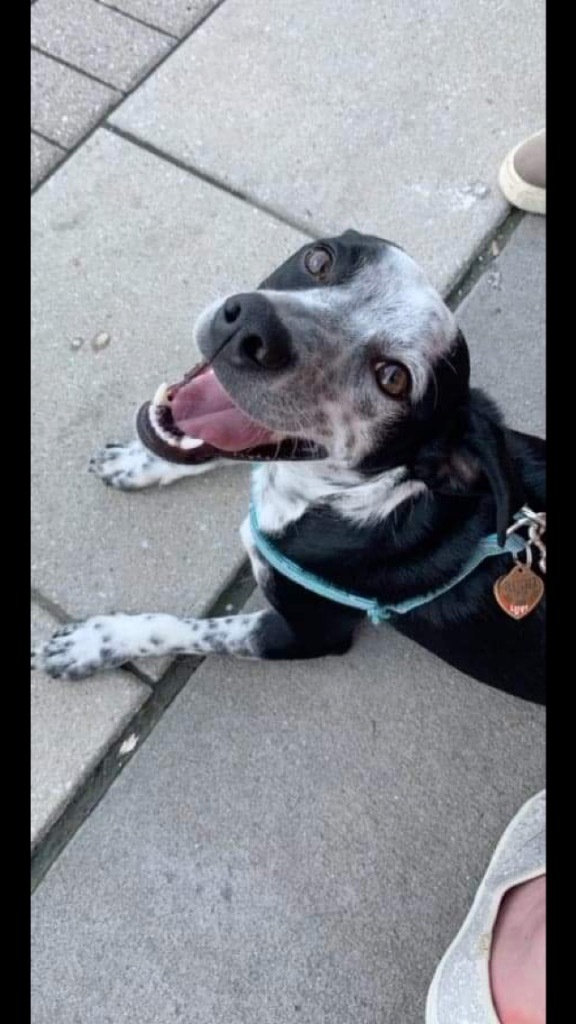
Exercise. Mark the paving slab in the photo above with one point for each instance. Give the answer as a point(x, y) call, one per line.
point(65, 103)
point(391, 118)
point(72, 727)
point(127, 245)
point(294, 842)
point(43, 156)
point(174, 16)
point(504, 322)
point(96, 39)
point(300, 841)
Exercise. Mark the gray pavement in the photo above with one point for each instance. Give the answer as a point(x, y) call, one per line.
point(390, 117)
point(504, 320)
point(71, 726)
point(64, 101)
point(88, 54)
point(44, 155)
point(174, 16)
point(291, 842)
point(105, 44)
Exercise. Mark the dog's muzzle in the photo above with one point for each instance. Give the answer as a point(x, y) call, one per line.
point(195, 421)
point(248, 333)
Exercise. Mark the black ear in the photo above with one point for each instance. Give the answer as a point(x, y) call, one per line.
point(486, 443)
point(474, 451)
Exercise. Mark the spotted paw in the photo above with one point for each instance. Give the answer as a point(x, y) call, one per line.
point(131, 467)
point(78, 650)
point(128, 467)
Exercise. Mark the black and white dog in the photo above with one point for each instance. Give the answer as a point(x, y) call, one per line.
point(347, 377)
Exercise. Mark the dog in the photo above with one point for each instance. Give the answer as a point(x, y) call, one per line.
point(380, 475)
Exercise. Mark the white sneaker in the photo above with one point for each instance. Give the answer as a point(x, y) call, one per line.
point(522, 176)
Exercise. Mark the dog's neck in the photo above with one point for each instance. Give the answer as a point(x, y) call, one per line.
point(285, 491)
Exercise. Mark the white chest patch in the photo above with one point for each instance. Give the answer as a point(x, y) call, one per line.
point(284, 492)
point(260, 568)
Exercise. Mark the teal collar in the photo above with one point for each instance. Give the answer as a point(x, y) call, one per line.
point(487, 548)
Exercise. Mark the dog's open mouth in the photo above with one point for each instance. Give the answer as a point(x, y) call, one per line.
point(196, 420)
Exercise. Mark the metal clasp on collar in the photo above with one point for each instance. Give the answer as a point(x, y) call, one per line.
point(535, 523)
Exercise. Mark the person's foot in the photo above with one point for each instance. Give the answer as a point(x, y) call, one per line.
point(493, 972)
point(522, 176)
point(518, 955)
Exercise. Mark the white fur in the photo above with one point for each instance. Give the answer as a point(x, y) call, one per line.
point(107, 641)
point(286, 491)
point(260, 568)
point(376, 499)
point(132, 467)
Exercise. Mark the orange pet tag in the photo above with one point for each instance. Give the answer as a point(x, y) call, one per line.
point(519, 592)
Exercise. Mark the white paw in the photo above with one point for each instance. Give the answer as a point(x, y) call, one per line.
point(80, 649)
point(131, 467)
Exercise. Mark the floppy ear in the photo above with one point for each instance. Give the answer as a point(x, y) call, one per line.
point(487, 444)
point(475, 449)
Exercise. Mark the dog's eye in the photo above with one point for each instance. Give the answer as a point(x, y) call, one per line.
point(318, 261)
point(393, 379)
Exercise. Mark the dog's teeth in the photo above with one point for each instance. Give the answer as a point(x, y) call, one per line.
point(153, 417)
point(160, 397)
point(174, 442)
point(159, 429)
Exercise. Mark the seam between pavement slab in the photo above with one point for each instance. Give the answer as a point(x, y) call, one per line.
point(122, 95)
point(139, 21)
point(488, 250)
point(180, 672)
point(62, 616)
point(81, 71)
point(280, 215)
point(457, 289)
point(49, 605)
point(162, 692)
point(46, 139)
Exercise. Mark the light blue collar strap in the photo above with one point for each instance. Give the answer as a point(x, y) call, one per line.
point(487, 548)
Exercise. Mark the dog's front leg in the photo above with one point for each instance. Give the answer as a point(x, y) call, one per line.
point(131, 467)
point(107, 641)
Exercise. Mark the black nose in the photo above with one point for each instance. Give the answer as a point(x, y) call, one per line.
point(249, 331)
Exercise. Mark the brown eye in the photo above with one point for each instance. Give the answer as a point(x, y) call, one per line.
point(318, 261)
point(393, 379)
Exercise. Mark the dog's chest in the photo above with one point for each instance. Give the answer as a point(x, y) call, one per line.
point(260, 568)
point(285, 492)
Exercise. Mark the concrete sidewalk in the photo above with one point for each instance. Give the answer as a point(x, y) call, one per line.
point(301, 841)
point(268, 853)
point(86, 56)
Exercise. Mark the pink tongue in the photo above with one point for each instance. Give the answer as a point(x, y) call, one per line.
point(201, 408)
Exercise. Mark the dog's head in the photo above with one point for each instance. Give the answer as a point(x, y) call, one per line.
point(345, 352)
point(346, 347)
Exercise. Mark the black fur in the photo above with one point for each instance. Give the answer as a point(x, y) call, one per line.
point(478, 473)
